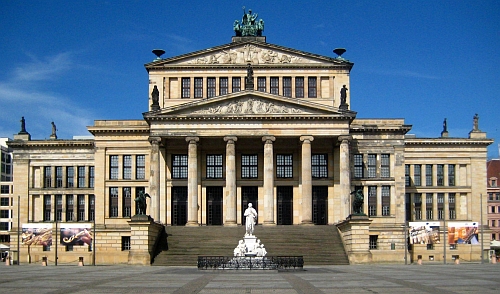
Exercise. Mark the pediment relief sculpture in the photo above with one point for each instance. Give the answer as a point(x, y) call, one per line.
point(250, 106)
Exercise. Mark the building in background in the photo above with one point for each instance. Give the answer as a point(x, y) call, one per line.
point(493, 171)
point(6, 192)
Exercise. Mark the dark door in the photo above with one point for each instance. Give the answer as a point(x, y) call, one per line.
point(214, 206)
point(249, 195)
point(320, 205)
point(179, 206)
point(285, 205)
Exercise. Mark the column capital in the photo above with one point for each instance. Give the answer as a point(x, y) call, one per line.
point(306, 139)
point(268, 139)
point(230, 139)
point(192, 140)
point(345, 138)
point(154, 140)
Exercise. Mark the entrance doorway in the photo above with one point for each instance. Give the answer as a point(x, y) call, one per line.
point(320, 205)
point(214, 206)
point(285, 205)
point(179, 206)
point(249, 194)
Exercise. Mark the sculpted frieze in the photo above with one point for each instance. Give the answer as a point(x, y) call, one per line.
point(250, 106)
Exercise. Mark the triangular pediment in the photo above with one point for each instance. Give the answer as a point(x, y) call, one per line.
point(249, 104)
point(242, 53)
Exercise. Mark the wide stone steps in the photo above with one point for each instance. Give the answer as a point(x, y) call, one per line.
point(318, 244)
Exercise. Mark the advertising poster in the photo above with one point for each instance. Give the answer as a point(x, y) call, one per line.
point(36, 234)
point(76, 234)
point(463, 233)
point(424, 232)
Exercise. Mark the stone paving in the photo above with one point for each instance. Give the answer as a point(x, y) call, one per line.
point(463, 278)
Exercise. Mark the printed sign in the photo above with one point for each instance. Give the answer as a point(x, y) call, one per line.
point(36, 234)
point(463, 233)
point(424, 232)
point(76, 234)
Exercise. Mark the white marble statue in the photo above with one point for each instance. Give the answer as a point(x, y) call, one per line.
point(240, 250)
point(259, 249)
point(251, 218)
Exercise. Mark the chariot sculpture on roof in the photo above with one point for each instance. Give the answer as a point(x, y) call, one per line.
point(249, 25)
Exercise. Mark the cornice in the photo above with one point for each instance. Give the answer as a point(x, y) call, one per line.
point(447, 141)
point(51, 144)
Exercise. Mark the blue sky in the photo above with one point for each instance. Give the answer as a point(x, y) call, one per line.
point(75, 61)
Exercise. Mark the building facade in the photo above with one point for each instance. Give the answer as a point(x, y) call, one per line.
point(251, 122)
point(493, 170)
point(6, 194)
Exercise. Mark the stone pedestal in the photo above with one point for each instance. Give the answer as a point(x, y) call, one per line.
point(355, 232)
point(250, 242)
point(143, 234)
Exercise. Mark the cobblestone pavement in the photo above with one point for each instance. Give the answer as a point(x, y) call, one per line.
point(463, 278)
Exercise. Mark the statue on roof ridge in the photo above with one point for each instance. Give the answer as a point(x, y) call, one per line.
point(249, 25)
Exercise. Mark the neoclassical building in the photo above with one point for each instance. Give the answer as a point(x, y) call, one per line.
point(251, 122)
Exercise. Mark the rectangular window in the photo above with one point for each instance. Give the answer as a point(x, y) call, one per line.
point(4, 226)
point(385, 166)
point(287, 86)
point(179, 166)
point(261, 84)
point(4, 201)
point(70, 176)
point(236, 84)
point(417, 202)
point(249, 166)
point(428, 175)
point(299, 87)
point(274, 85)
point(113, 202)
point(4, 213)
point(223, 86)
point(69, 208)
point(493, 223)
point(81, 177)
point(91, 207)
point(358, 165)
point(429, 206)
point(127, 167)
point(127, 202)
point(214, 166)
point(407, 175)
point(59, 208)
point(373, 241)
point(210, 87)
point(69, 247)
point(312, 85)
point(81, 207)
point(372, 165)
point(59, 176)
point(440, 205)
point(47, 175)
point(492, 209)
point(47, 207)
point(113, 167)
point(140, 167)
point(186, 88)
point(126, 243)
point(91, 176)
point(319, 166)
point(372, 201)
point(451, 175)
point(451, 206)
point(5, 189)
point(284, 166)
point(440, 175)
point(386, 200)
point(417, 175)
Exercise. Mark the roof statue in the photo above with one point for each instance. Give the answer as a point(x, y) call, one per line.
point(249, 25)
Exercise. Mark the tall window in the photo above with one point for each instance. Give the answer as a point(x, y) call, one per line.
point(440, 175)
point(417, 202)
point(113, 167)
point(440, 204)
point(69, 208)
point(70, 176)
point(274, 85)
point(261, 84)
point(91, 207)
point(81, 207)
point(113, 202)
point(372, 201)
point(372, 165)
point(59, 208)
point(179, 166)
point(127, 167)
point(140, 167)
point(47, 176)
point(223, 86)
point(319, 166)
point(198, 87)
point(127, 202)
point(46, 207)
point(236, 84)
point(385, 166)
point(299, 87)
point(358, 165)
point(428, 175)
point(214, 166)
point(91, 176)
point(429, 206)
point(210, 87)
point(451, 206)
point(186, 88)
point(287, 86)
point(417, 175)
point(81, 176)
point(451, 175)
point(312, 85)
point(59, 176)
point(249, 166)
point(284, 166)
point(407, 175)
point(386, 200)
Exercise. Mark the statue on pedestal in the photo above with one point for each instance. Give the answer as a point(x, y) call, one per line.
point(357, 203)
point(140, 201)
point(251, 218)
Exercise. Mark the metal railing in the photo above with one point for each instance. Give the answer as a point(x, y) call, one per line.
point(250, 263)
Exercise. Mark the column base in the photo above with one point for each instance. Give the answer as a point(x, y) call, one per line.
point(192, 224)
point(307, 223)
point(268, 224)
point(230, 224)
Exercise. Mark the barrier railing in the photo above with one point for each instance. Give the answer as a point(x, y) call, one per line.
point(251, 263)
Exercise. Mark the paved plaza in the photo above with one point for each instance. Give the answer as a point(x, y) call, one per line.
point(463, 278)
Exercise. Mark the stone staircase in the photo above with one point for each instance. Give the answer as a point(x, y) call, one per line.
point(318, 244)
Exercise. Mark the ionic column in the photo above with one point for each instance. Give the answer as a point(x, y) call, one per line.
point(345, 177)
point(306, 180)
point(154, 178)
point(192, 181)
point(268, 180)
point(231, 202)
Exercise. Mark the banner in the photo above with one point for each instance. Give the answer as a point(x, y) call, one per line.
point(463, 233)
point(76, 234)
point(36, 234)
point(424, 232)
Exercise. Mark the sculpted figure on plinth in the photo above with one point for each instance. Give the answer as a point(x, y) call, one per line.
point(250, 219)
